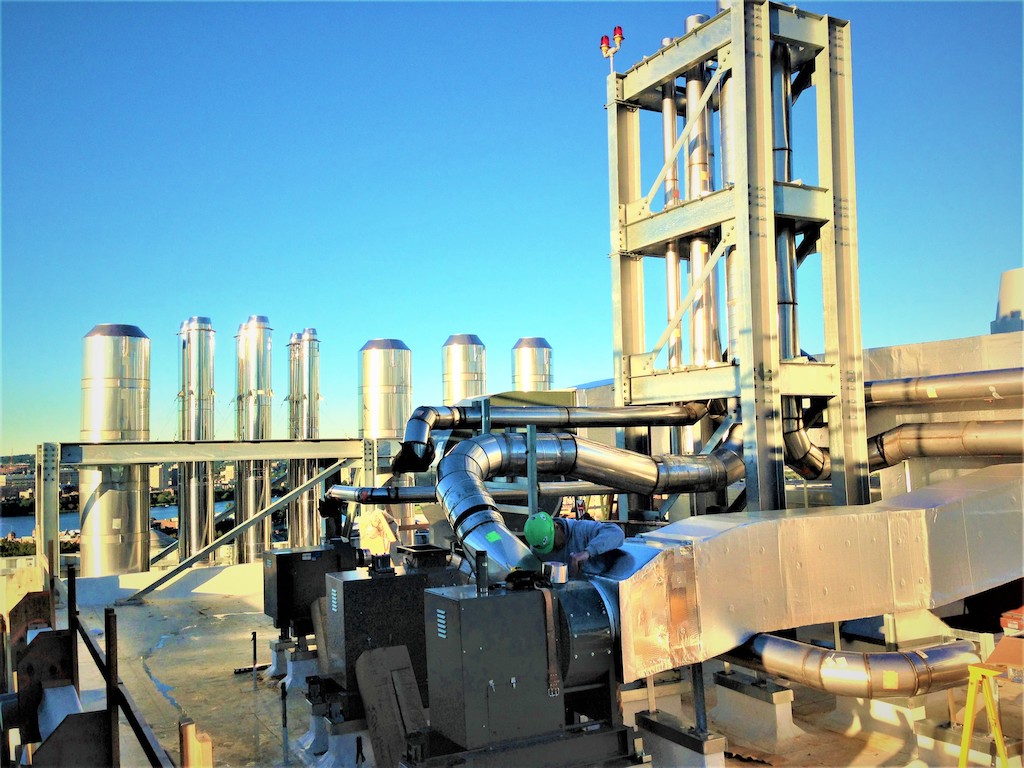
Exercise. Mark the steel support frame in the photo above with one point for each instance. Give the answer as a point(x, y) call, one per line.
point(760, 378)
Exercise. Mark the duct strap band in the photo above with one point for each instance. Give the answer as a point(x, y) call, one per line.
point(554, 685)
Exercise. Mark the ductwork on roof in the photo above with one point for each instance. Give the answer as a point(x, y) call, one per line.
point(472, 510)
point(417, 450)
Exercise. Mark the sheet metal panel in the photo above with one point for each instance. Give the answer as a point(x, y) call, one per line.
point(714, 581)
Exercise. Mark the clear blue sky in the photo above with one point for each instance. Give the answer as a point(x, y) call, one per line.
point(416, 170)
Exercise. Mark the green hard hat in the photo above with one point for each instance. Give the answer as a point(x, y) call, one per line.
point(540, 532)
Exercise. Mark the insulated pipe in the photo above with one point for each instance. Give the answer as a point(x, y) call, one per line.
point(669, 133)
point(417, 450)
point(805, 458)
point(975, 385)
point(427, 494)
point(863, 675)
point(705, 346)
point(970, 438)
point(472, 510)
point(785, 238)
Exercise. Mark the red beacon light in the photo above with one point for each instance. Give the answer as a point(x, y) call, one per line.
point(605, 44)
point(617, 34)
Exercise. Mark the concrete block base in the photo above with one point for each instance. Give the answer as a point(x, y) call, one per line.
point(669, 742)
point(758, 713)
point(278, 658)
point(301, 664)
point(314, 741)
point(893, 717)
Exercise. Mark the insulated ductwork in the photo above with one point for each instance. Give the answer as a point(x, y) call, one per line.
point(971, 438)
point(424, 494)
point(974, 385)
point(864, 675)
point(417, 451)
point(472, 509)
point(805, 458)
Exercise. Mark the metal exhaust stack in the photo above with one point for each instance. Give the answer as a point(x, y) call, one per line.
point(463, 368)
point(303, 424)
point(385, 389)
point(195, 479)
point(531, 365)
point(253, 412)
point(385, 395)
point(114, 500)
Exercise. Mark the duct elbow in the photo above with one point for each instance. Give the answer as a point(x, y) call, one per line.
point(863, 675)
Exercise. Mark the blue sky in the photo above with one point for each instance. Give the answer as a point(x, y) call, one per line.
point(417, 170)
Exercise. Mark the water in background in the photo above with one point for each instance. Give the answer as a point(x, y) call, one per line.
point(23, 525)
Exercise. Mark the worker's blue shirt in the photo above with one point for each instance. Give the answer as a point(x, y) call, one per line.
point(590, 535)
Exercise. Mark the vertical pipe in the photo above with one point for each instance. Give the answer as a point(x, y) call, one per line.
point(704, 342)
point(670, 133)
point(73, 623)
point(303, 424)
point(114, 500)
point(195, 422)
point(785, 237)
point(700, 710)
point(113, 713)
point(253, 416)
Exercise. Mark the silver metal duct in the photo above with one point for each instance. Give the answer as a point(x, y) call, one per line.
point(303, 424)
point(864, 675)
point(670, 133)
point(253, 422)
point(531, 365)
point(427, 494)
point(417, 448)
point(196, 418)
point(385, 388)
point(699, 587)
point(973, 385)
point(704, 342)
point(463, 368)
point(804, 457)
point(971, 438)
point(472, 510)
point(114, 500)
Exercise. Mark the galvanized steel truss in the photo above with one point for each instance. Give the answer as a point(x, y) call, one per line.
point(739, 41)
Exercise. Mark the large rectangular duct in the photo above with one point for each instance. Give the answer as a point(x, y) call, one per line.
point(702, 586)
point(114, 500)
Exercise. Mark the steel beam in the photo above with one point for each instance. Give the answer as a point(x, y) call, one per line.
point(98, 454)
point(840, 268)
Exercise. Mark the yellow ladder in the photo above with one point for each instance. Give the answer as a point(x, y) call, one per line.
point(982, 674)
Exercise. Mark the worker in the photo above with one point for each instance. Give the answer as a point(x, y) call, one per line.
point(570, 541)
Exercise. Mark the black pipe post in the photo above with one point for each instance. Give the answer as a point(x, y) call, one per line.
point(700, 711)
point(73, 625)
point(254, 673)
point(481, 573)
point(113, 714)
point(284, 721)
